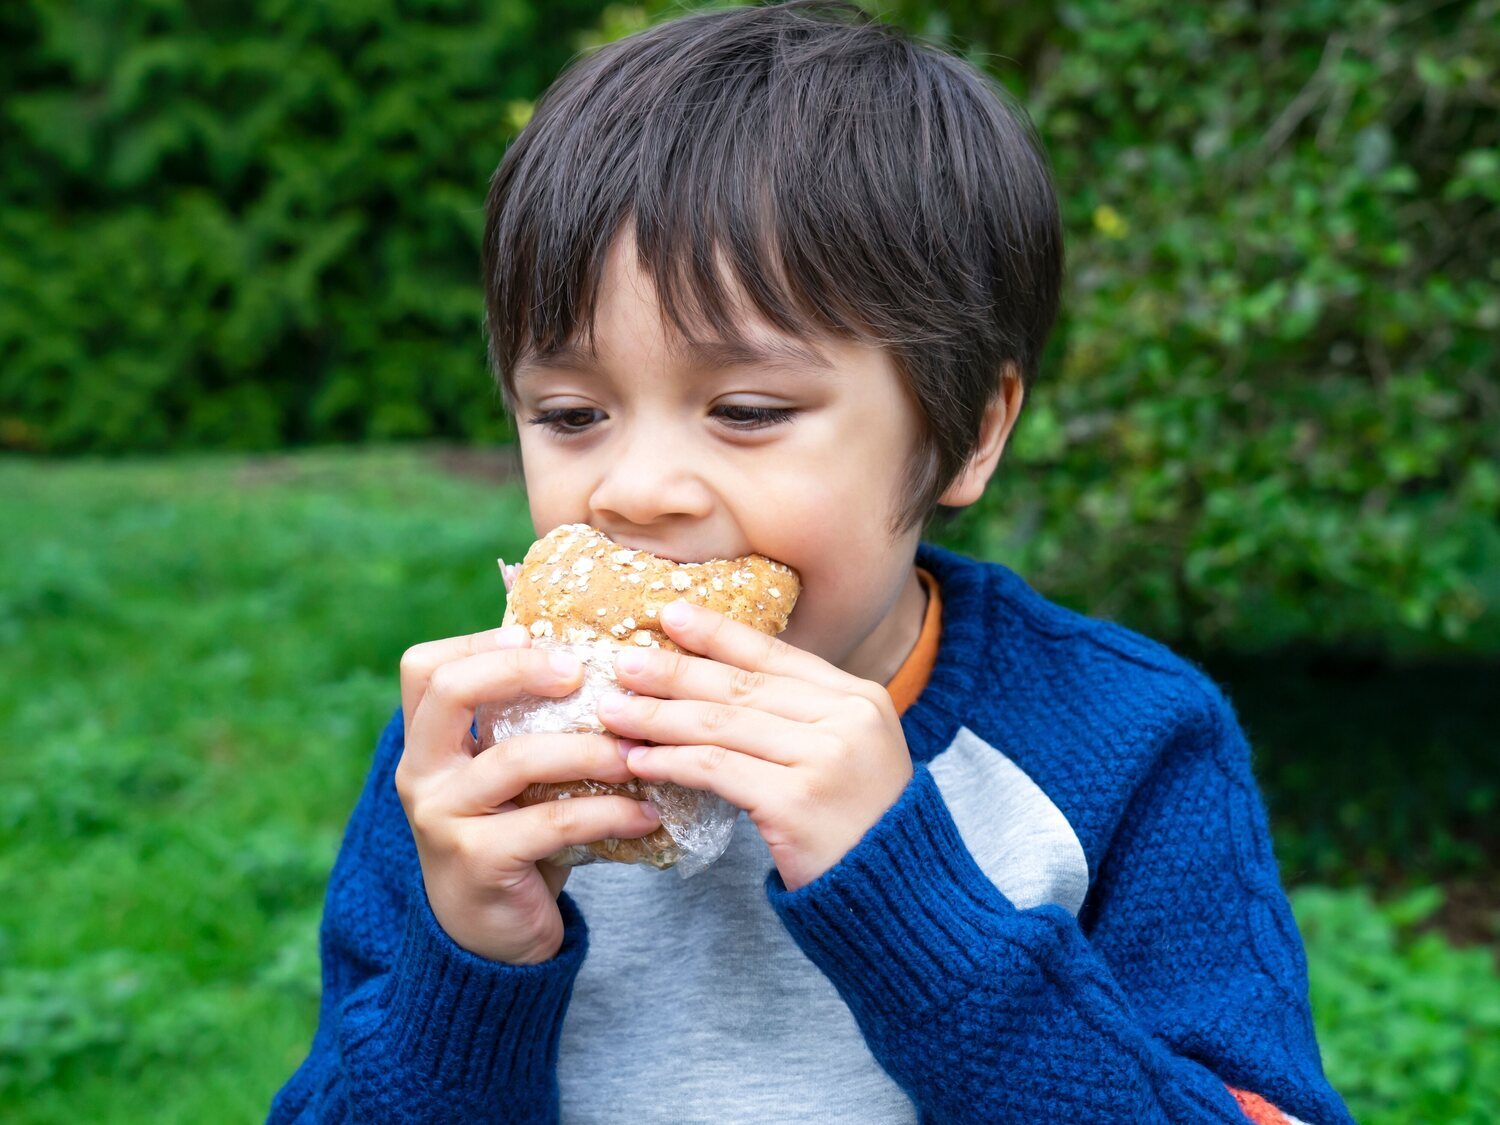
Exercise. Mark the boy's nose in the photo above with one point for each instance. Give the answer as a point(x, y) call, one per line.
point(647, 485)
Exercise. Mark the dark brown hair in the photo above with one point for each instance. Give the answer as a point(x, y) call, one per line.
point(858, 183)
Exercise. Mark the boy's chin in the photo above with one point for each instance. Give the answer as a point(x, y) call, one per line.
point(799, 638)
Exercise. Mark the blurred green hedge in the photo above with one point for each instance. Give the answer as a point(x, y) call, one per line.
point(1273, 412)
point(1408, 1026)
point(1270, 411)
point(255, 224)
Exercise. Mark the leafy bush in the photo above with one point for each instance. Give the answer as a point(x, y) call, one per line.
point(49, 1016)
point(245, 225)
point(1409, 1026)
point(1270, 411)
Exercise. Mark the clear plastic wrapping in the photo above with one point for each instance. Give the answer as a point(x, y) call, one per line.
point(695, 825)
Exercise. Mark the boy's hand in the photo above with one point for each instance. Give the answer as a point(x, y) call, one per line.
point(483, 857)
point(813, 754)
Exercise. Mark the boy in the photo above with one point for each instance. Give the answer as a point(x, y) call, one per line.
point(774, 280)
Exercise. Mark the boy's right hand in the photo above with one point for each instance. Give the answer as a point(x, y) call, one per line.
point(482, 856)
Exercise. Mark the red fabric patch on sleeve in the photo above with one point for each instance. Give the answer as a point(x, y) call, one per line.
point(1256, 1108)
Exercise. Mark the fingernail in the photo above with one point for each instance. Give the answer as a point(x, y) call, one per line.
point(612, 703)
point(512, 636)
point(676, 614)
point(649, 810)
point(563, 663)
point(630, 660)
point(635, 755)
point(626, 745)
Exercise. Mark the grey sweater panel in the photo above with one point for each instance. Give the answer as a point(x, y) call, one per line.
point(695, 1005)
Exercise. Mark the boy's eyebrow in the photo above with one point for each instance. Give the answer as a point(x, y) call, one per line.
point(714, 355)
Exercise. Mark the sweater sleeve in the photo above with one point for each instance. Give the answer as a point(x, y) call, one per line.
point(413, 1027)
point(1185, 1002)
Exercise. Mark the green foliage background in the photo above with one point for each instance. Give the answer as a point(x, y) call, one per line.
point(1270, 412)
point(245, 225)
point(1274, 412)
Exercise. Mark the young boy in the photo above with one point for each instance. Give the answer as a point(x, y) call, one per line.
point(774, 280)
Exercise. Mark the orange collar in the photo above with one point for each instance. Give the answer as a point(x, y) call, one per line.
point(916, 670)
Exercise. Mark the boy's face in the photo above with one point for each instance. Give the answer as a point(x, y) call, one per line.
point(660, 459)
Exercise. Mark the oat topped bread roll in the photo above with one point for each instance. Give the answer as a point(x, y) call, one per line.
point(579, 589)
point(578, 585)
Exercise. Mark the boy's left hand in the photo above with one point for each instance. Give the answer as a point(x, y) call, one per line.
point(813, 754)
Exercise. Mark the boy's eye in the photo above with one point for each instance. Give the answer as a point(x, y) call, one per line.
point(569, 421)
point(756, 417)
point(564, 421)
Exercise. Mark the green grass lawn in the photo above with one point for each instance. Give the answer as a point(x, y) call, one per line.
point(196, 655)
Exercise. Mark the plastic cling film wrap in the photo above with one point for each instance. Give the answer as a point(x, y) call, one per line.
point(695, 825)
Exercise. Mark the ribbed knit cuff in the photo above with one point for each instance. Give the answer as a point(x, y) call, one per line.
point(464, 1022)
point(901, 921)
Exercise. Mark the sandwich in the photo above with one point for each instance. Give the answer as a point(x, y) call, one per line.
point(578, 589)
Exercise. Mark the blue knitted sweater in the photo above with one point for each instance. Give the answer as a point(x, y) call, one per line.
point(1073, 912)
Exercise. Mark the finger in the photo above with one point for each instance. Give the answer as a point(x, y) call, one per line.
point(711, 634)
point(676, 675)
point(681, 722)
point(495, 776)
point(537, 831)
point(745, 782)
point(438, 732)
point(419, 662)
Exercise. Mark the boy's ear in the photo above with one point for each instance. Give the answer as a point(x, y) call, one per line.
point(994, 429)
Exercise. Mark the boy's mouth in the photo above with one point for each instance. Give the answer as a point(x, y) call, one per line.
point(508, 571)
point(679, 557)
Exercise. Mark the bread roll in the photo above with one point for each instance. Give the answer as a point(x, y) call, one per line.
point(576, 586)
